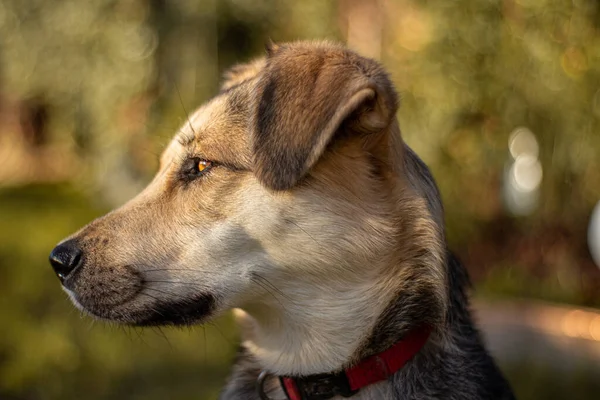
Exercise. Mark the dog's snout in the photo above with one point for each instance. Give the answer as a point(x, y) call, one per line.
point(65, 258)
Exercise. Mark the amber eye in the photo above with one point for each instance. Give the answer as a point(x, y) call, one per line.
point(194, 167)
point(203, 165)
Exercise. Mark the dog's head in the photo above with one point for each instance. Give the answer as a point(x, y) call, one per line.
point(292, 181)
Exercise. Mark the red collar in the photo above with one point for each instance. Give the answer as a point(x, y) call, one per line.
point(371, 370)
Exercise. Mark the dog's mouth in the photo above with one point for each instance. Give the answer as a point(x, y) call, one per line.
point(183, 312)
point(126, 297)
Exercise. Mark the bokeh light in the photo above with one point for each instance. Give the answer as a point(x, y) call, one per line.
point(594, 234)
point(524, 174)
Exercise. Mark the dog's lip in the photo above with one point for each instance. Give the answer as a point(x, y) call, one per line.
point(182, 312)
point(69, 282)
point(187, 311)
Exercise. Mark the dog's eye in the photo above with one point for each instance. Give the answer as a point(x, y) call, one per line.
point(195, 167)
point(203, 165)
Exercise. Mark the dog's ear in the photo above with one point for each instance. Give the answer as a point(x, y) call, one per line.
point(305, 94)
point(241, 72)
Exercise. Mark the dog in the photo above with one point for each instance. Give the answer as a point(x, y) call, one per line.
point(292, 198)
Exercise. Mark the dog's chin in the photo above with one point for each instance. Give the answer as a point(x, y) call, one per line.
point(189, 311)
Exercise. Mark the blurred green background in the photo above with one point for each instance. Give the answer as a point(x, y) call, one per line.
point(500, 97)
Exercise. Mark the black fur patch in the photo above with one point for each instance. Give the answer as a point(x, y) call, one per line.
point(179, 313)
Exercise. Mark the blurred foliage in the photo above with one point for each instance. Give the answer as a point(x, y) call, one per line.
point(91, 91)
point(470, 74)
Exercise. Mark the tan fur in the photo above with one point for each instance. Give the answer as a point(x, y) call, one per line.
point(314, 219)
point(242, 72)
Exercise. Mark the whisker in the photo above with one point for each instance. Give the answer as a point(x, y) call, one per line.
point(268, 283)
point(228, 340)
point(162, 334)
point(174, 282)
point(176, 296)
point(268, 290)
point(204, 334)
point(305, 232)
point(169, 269)
point(184, 110)
point(152, 297)
point(140, 336)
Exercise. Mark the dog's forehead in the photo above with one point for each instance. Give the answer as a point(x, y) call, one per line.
point(219, 129)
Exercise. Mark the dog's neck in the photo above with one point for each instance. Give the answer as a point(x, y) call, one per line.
point(320, 329)
point(328, 326)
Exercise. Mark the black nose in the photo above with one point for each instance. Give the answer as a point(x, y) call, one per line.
point(65, 258)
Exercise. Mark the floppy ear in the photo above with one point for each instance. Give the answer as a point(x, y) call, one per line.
point(304, 95)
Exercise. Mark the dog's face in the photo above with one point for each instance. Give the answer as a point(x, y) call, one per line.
point(283, 181)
